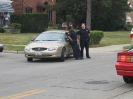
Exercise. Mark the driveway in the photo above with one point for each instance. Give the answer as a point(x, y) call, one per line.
point(112, 48)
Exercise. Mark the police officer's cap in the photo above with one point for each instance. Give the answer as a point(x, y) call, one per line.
point(70, 27)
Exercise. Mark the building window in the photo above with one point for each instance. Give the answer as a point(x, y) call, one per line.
point(50, 15)
point(28, 10)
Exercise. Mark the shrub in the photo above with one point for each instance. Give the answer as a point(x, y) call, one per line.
point(54, 26)
point(50, 24)
point(96, 37)
point(16, 25)
point(2, 30)
point(58, 25)
point(7, 31)
point(31, 22)
point(128, 27)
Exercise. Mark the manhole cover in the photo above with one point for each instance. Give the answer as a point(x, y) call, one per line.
point(97, 82)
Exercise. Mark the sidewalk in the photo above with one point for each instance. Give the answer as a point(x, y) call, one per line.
point(112, 48)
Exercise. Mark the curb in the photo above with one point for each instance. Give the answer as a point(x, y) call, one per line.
point(16, 52)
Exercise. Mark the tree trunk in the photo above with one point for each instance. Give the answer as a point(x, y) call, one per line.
point(88, 17)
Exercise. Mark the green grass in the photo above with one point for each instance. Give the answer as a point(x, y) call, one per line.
point(14, 48)
point(114, 38)
point(128, 47)
point(16, 39)
point(110, 38)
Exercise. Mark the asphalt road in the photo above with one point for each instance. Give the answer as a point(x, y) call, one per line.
point(94, 78)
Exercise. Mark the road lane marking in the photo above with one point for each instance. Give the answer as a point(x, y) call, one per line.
point(18, 94)
point(23, 94)
point(29, 94)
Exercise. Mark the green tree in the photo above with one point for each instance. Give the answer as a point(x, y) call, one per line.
point(111, 16)
point(70, 7)
point(98, 14)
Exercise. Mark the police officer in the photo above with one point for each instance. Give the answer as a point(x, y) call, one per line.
point(84, 36)
point(73, 41)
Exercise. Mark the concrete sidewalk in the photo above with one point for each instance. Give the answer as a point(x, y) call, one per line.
point(112, 48)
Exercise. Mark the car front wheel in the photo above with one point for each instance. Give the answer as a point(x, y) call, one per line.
point(29, 59)
point(128, 79)
point(63, 55)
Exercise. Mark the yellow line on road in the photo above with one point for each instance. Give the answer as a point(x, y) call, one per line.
point(24, 94)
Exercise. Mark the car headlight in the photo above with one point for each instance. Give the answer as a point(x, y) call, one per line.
point(52, 48)
point(27, 48)
point(1, 44)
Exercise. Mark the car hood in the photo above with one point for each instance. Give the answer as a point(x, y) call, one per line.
point(45, 44)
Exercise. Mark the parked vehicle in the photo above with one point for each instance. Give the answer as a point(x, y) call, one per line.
point(49, 44)
point(1, 47)
point(124, 65)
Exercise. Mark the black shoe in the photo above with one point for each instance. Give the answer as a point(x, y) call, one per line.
point(88, 57)
point(79, 58)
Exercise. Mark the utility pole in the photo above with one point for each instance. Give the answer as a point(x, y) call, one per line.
point(88, 17)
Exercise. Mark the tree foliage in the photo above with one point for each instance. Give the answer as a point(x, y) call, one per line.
point(69, 7)
point(111, 17)
point(104, 14)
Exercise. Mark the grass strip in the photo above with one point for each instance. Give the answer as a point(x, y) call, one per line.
point(110, 38)
point(14, 48)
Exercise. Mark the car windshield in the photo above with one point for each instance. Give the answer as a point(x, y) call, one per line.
point(50, 37)
point(130, 50)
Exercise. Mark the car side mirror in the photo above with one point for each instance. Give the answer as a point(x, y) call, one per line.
point(67, 39)
point(33, 39)
point(66, 33)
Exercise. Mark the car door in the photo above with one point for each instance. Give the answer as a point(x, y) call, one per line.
point(67, 45)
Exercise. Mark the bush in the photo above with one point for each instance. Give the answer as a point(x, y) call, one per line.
point(16, 25)
point(58, 25)
point(31, 22)
point(2, 30)
point(7, 31)
point(51, 24)
point(54, 26)
point(96, 37)
point(128, 27)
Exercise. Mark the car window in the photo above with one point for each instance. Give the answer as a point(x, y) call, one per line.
point(50, 37)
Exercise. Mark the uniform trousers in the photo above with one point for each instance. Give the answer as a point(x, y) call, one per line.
point(84, 43)
point(76, 50)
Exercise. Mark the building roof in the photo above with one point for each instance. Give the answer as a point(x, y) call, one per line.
point(5, 6)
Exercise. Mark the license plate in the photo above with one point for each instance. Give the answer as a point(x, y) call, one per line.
point(38, 53)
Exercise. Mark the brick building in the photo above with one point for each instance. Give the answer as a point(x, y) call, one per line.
point(34, 6)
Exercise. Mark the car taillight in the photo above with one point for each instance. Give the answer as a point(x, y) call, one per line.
point(125, 58)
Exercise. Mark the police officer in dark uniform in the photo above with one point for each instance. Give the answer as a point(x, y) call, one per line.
point(73, 41)
point(84, 36)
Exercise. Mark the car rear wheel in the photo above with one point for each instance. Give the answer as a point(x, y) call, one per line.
point(1, 50)
point(63, 55)
point(29, 59)
point(128, 79)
